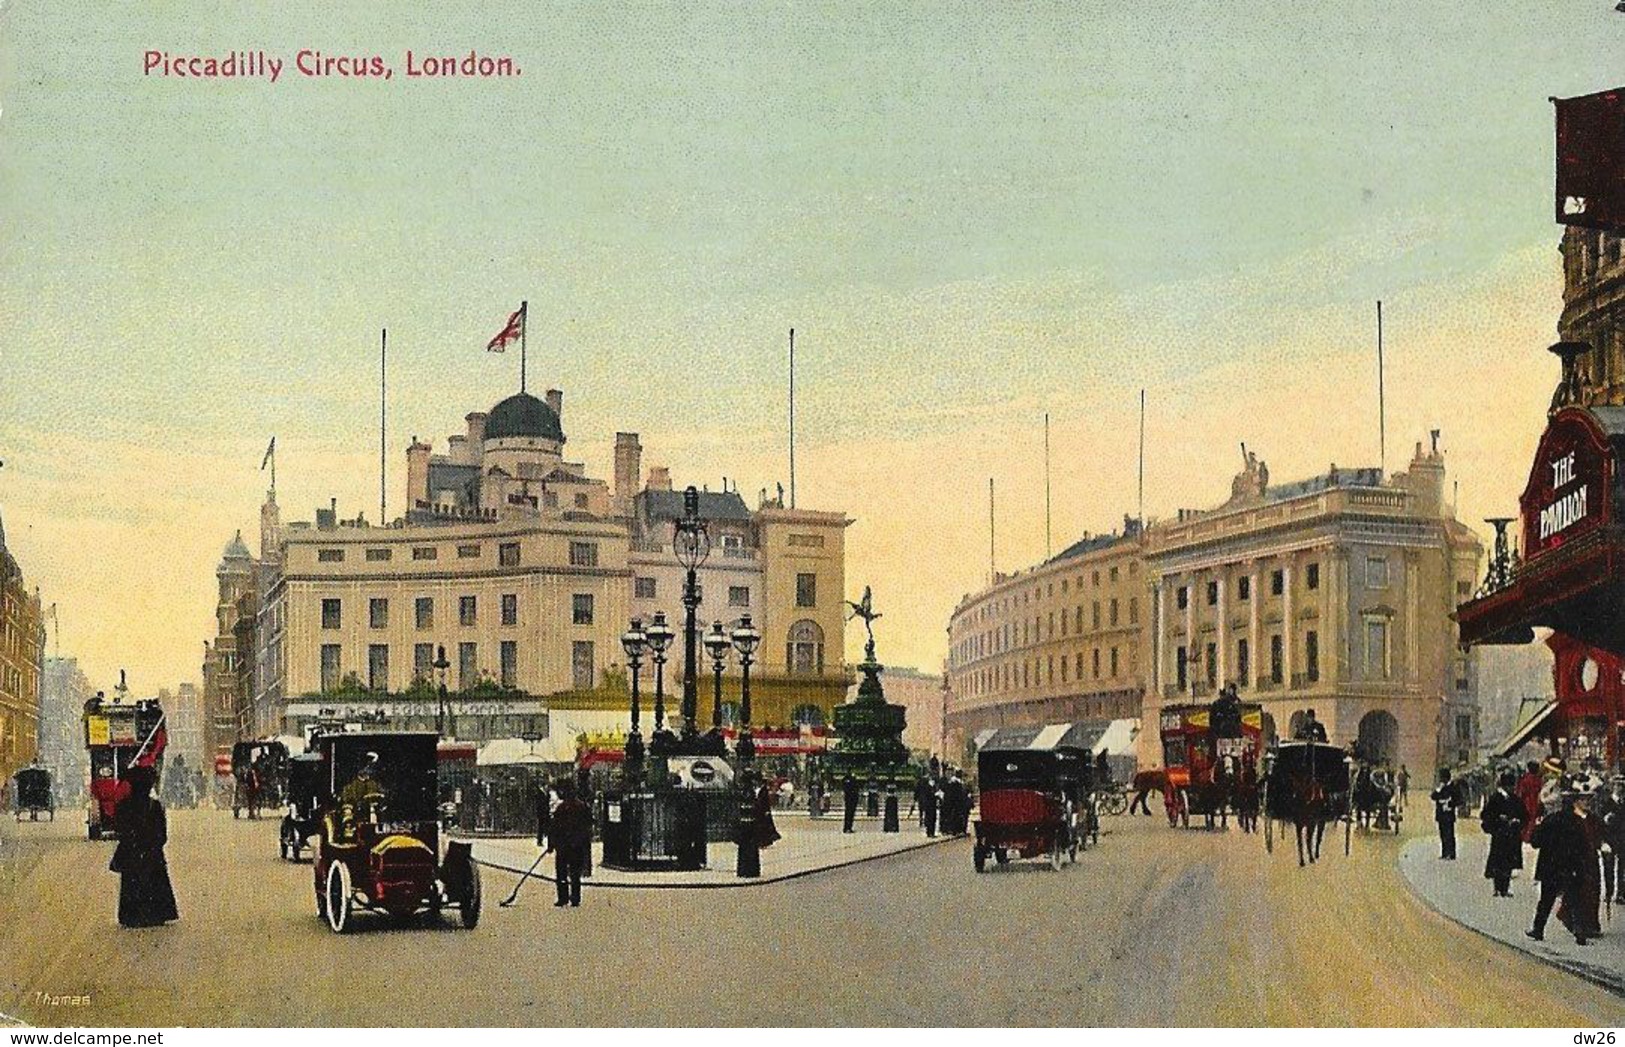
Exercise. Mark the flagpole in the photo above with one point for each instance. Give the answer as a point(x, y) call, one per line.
point(383, 426)
point(792, 417)
point(524, 322)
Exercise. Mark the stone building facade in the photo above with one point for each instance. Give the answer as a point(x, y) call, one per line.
point(22, 662)
point(1063, 641)
point(64, 692)
point(527, 570)
point(1335, 593)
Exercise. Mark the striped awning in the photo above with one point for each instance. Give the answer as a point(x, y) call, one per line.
point(1523, 732)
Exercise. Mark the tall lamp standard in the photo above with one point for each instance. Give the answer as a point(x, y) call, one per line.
point(659, 636)
point(692, 542)
point(634, 642)
point(441, 665)
point(717, 645)
point(745, 639)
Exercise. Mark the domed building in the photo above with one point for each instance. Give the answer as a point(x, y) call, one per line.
point(509, 461)
point(522, 570)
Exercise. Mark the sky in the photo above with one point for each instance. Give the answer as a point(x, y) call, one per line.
point(971, 214)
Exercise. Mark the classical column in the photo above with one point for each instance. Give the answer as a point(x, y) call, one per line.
point(1255, 596)
point(1223, 607)
point(1412, 607)
point(1159, 642)
point(1287, 661)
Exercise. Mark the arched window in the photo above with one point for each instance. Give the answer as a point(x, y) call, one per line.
point(804, 649)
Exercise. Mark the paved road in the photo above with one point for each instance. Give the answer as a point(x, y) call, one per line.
point(1155, 928)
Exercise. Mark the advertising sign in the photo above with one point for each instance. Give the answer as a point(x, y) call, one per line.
point(1568, 491)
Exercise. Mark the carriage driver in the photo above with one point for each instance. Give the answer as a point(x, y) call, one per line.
point(1311, 730)
point(361, 798)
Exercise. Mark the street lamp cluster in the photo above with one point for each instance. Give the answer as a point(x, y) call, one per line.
point(692, 543)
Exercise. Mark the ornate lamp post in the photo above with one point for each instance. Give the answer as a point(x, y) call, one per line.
point(634, 642)
point(692, 543)
point(441, 666)
point(659, 636)
point(717, 645)
point(745, 639)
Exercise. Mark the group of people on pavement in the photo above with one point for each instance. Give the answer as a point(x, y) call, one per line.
point(1576, 825)
point(942, 801)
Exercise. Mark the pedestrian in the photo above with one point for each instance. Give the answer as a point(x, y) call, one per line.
point(767, 834)
point(1560, 838)
point(849, 798)
point(1502, 820)
point(1402, 783)
point(1611, 811)
point(927, 794)
point(955, 805)
point(1581, 911)
point(570, 838)
point(1447, 801)
point(145, 897)
point(1528, 793)
point(544, 814)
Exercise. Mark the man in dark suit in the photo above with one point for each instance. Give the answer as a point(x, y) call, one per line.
point(1560, 838)
point(1447, 800)
point(1502, 821)
point(1311, 729)
point(570, 840)
point(926, 796)
point(849, 798)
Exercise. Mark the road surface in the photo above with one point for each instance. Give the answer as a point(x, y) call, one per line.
point(1154, 928)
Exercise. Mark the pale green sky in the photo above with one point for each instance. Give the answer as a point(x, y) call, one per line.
point(971, 212)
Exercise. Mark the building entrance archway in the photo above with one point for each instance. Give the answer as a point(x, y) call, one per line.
point(1378, 738)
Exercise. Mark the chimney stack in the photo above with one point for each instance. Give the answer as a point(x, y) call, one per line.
point(628, 466)
point(555, 400)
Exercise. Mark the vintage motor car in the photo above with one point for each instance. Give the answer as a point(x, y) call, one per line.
point(378, 844)
point(1037, 795)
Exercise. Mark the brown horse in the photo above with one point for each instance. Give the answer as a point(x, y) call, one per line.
point(1308, 809)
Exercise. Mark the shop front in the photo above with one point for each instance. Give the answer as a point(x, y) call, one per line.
point(1566, 575)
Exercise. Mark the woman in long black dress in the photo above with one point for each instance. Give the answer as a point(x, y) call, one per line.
point(145, 898)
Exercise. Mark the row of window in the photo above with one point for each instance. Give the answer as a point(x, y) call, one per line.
point(1190, 663)
point(1376, 577)
point(1037, 592)
point(582, 554)
point(581, 611)
point(1022, 674)
point(647, 589)
point(583, 665)
point(1041, 629)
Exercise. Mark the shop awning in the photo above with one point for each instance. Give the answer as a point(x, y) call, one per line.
point(1526, 730)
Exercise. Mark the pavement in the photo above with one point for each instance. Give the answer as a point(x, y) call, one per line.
point(1459, 891)
point(1154, 927)
point(806, 846)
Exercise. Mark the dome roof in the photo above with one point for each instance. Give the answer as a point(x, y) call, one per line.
point(236, 549)
point(523, 415)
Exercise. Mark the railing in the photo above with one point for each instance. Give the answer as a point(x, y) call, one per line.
point(1303, 680)
point(732, 552)
point(1266, 683)
point(643, 546)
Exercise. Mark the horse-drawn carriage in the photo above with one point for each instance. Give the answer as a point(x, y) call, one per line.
point(259, 770)
point(305, 789)
point(1037, 795)
point(1210, 758)
point(31, 792)
point(1308, 784)
point(378, 845)
point(1376, 805)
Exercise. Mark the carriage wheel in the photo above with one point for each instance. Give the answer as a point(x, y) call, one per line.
point(339, 901)
point(470, 907)
point(978, 858)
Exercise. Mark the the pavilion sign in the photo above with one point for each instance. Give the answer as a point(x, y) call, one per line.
point(1568, 491)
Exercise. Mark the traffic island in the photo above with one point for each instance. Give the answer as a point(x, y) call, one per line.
point(1458, 891)
point(804, 848)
